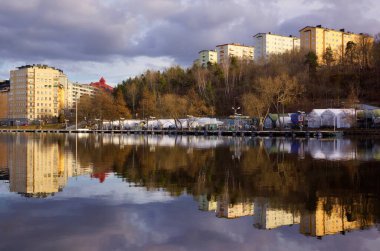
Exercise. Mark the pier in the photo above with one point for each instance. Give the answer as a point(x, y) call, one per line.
point(285, 133)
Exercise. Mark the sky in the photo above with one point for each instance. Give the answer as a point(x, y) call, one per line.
point(119, 39)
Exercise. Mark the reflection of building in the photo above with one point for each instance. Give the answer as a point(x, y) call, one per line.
point(330, 217)
point(206, 204)
point(36, 92)
point(267, 217)
point(267, 44)
point(35, 169)
point(226, 209)
point(39, 167)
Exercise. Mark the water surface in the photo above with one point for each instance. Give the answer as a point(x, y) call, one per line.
point(120, 192)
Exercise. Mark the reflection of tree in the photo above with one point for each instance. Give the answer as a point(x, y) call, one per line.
point(290, 183)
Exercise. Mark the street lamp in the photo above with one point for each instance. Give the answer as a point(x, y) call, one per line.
point(121, 119)
point(235, 114)
point(188, 121)
point(97, 124)
point(152, 118)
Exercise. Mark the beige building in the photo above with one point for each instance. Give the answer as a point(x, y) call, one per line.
point(4, 91)
point(226, 51)
point(73, 92)
point(206, 57)
point(267, 44)
point(36, 92)
point(317, 39)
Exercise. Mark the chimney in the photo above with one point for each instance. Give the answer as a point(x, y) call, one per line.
point(342, 30)
point(319, 26)
point(269, 32)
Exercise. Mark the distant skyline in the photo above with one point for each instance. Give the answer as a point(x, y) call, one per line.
point(118, 39)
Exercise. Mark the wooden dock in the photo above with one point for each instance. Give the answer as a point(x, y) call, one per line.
point(288, 134)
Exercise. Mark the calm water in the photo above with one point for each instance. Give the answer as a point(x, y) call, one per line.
point(115, 192)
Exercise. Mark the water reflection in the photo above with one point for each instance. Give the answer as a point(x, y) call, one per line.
point(324, 187)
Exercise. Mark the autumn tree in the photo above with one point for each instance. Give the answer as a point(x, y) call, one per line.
point(121, 108)
point(174, 106)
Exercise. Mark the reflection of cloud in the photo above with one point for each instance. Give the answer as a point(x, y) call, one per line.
point(95, 223)
point(114, 189)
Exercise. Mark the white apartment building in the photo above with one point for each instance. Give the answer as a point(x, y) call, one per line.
point(73, 92)
point(207, 56)
point(241, 52)
point(267, 44)
point(36, 92)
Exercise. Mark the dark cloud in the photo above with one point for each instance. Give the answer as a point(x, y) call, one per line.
point(69, 31)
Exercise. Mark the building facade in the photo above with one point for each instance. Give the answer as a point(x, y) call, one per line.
point(36, 93)
point(267, 44)
point(73, 92)
point(226, 51)
point(4, 91)
point(318, 39)
point(206, 57)
point(102, 85)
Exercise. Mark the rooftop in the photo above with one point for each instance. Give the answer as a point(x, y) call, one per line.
point(273, 34)
point(41, 66)
point(235, 44)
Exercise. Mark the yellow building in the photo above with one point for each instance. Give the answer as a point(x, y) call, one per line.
point(226, 51)
point(4, 91)
point(206, 57)
point(267, 44)
point(35, 93)
point(317, 39)
point(322, 222)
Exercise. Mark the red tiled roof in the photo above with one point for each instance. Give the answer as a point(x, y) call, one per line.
point(102, 85)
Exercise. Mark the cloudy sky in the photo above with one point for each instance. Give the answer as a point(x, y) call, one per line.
point(118, 39)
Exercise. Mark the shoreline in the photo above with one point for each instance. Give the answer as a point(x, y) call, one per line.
point(284, 133)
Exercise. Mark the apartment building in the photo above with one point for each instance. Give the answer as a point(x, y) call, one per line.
point(267, 44)
point(36, 92)
point(206, 57)
point(4, 91)
point(73, 92)
point(226, 51)
point(317, 39)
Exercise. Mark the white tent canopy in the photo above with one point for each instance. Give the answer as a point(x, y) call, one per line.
point(339, 118)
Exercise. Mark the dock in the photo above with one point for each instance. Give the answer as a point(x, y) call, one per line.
point(285, 133)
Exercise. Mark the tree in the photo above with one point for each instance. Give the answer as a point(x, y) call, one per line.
point(148, 104)
point(132, 92)
point(351, 53)
point(311, 59)
point(328, 56)
point(174, 106)
point(121, 106)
